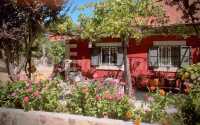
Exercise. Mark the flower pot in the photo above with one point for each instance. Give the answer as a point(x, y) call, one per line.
point(137, 121)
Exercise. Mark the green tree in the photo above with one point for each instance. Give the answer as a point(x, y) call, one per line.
point(118, 18)
point(21, 22)
point(61, 25)
point(190, 10)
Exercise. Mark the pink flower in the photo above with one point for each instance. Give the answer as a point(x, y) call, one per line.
point(23, 77)
point(98, 97)
point(29, 90)
point(50, 78)
point(100, 85)
point(109, 97)
point(37, 82)
point(26, 99)
point(13, 94)
point(36, 93)
point(95, 75)
point(119, 95)
point(29, 81)
point(147, 109)
point(115, 81)
point(151, 99)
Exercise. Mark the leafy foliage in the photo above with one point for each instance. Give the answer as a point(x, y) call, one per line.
point(159, 101)
point(189, 106)
point(190, 11)
point(100, 101)
point(61, 25)
point(117, 17)
point(31, 96)
point(190, 72)
point(21, 22)
point(56, 51)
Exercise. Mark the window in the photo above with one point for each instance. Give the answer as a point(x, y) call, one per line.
point(169, 56)
point(107, 56)
point(166, 56)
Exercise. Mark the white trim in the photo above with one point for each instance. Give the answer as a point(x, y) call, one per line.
point(73, 53)
point(109, 50)
point(166, 69)
point(73, 45)
point(109, 44)
point(107, 67)
point(169, 43)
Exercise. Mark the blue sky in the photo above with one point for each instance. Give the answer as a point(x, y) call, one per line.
point(74, 13)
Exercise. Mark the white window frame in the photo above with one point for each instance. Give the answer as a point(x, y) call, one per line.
point(109, 60)
point(167, 68)
point(109, 66)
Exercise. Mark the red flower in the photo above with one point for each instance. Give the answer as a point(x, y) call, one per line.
point(107, 95)
point(26, 99)
point(98, 97)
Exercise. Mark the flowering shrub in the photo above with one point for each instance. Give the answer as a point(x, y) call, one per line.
point(101, 100)
point(189, 106)
point(190, 73)
point(158, 102)
point(27, 95)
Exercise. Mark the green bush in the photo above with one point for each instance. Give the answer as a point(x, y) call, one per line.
point(56, 51)
point(190, 72)
point(189, 106)
point(30, 96)
point(104, 101)
point(158, 102)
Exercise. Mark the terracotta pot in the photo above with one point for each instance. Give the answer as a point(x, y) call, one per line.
point(152, 86)
point(137, 121)
point(156, 82)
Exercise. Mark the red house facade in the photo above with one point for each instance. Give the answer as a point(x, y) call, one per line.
point(154, 56)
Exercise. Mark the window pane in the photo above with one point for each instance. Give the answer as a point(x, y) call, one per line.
point(105, 55)
point(164, 56)
point(175, 56)
point(185, 55)
point(109, 55)
point(95, 56)
point(153, 56)
point(113, 55)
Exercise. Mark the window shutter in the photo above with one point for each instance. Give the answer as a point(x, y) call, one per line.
point(153, 56)
point(185, 55)
point(120, 56)
point(95, 56)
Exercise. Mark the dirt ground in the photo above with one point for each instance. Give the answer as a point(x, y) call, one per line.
point(44, 70)
point(3, 72)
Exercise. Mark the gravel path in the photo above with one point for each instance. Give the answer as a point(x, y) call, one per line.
point(3, 73)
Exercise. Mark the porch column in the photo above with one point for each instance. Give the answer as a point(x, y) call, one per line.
point(67, 49)
point(67, 59)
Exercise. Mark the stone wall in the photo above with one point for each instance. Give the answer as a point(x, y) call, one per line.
point(19, 117)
